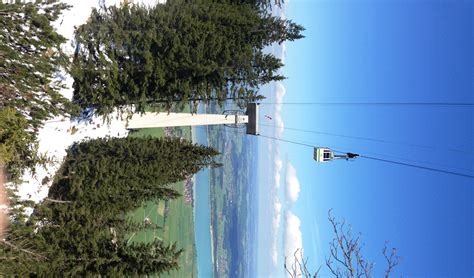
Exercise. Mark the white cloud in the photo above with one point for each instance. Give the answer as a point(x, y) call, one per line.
point(275, 181)
point(292, 184)
point(280, 92)
point(276, 164)
point(275, 227)
point(282, 52)
point(278, 167)
point(293, 237)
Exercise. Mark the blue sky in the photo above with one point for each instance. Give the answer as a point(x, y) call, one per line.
point(374, 51)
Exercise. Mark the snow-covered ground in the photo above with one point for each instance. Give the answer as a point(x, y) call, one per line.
point(59, 133)
point(54, 138)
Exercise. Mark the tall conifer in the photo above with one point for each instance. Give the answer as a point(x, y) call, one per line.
point(175, 52)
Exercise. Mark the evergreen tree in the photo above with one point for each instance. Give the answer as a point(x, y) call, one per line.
point(30, 56)
point(263, 6)
point(174, 53)
point(17, 144)
point(82, 227)
point(144, 258)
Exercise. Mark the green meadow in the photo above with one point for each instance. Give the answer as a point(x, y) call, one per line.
point(175, 217)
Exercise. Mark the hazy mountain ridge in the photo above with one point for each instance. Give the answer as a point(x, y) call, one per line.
point(232, 200)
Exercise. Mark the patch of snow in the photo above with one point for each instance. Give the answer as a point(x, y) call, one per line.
point(59, 133)
point(75, 16)
point(79, 13)
point(54, 138)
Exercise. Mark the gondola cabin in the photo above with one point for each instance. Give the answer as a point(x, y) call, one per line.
point(322, 154)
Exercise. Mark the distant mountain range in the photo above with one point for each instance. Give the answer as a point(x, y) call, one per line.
point(233, 200)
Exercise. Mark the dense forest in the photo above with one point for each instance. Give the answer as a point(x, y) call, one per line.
point(82, 227)
point(130, 56)
point(174, 53)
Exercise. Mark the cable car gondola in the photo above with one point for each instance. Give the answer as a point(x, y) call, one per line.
point(324, 154)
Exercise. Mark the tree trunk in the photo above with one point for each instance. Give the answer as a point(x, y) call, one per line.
point(56, 201)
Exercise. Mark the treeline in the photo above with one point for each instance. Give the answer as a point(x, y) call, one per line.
point(82, 227)
point(30, 56)
point(176, 52)
point(130, 56)
point(263, 6)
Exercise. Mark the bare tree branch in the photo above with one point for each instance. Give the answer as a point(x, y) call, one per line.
point(345, 257)
point(345, 253)
point(56, 201)
point(299, 266)
point(392, 260)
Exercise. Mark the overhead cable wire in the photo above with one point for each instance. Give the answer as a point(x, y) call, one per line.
point(386, 155)
point(288, 141)
point(335, 149)
point(419, 166)
point(373, 103)
point(381, 159)
point(366, 138)
point(411, 160)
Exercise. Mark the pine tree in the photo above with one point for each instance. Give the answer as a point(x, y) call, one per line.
point(30, 56)
point(17, 145)
point(81, 228)
point(145, 258)
point(174, 53)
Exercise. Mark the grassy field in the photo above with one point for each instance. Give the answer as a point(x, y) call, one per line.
point(175, 217)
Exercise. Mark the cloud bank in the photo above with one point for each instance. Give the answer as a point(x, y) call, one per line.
point(275, 227)
point(292, 184)
point(280, 92)
point(293, 237)
point(274, 152)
